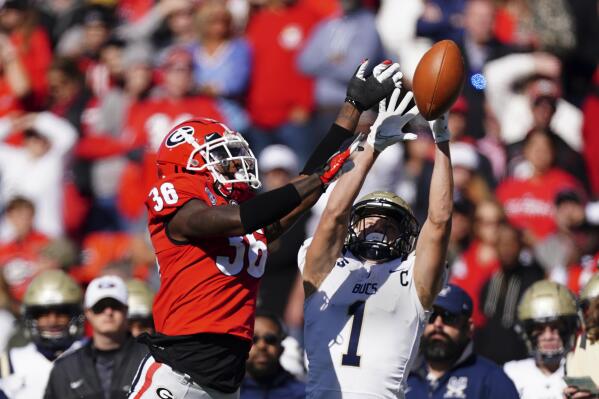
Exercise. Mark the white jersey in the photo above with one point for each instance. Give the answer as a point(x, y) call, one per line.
point(25, 372)
point(532, 383)
point(362, 329)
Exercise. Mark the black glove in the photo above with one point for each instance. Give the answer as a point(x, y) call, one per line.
point(364, 92)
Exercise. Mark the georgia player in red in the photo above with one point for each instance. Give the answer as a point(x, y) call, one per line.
point(210, 233)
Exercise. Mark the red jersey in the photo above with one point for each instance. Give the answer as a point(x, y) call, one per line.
point(207, 286)
point(19, 261)
point(529, 204)
point(470, 274)
point(276, 84)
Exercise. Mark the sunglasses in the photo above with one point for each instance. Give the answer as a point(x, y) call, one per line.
point(104, 304)
point(448, 318)
point(269, 339)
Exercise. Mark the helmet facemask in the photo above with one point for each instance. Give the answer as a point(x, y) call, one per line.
point(228, 158)
point(380, 231)
point(54, 340)
point(531, 329)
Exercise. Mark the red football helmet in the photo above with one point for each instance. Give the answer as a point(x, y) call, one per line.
point(206, 145)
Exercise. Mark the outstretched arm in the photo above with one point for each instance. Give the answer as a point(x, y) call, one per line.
point(332, 228)
point(363, 92)
point(342, 130)
point(431, 248)
point(197, 220)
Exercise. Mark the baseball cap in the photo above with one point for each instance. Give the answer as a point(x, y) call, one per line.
point(278, 156)
point(455, 300)
point(106, 287)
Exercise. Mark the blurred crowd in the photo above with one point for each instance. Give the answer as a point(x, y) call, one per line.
point(89, 88)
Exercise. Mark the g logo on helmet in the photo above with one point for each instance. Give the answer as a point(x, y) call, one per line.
point(164, 393)
point(179, 136)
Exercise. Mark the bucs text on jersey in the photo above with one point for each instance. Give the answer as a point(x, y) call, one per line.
point(208, 285)
point(362, 328)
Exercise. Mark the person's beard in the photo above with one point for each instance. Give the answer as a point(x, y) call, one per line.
point(441, 350)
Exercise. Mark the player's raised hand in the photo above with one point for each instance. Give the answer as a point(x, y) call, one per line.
point(365, 91)
point(387, 128)
point(439, 128)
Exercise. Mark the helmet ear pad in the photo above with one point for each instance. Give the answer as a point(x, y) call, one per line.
point(383, 245)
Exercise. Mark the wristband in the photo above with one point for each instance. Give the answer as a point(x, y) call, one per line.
point(356, 104)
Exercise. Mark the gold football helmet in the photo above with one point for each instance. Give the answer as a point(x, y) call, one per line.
point(53, 290)
point(379, 246)
point(548, 302)
point(591, 288)
point(140, 301)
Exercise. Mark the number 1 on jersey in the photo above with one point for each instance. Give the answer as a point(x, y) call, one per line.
point(351, 358)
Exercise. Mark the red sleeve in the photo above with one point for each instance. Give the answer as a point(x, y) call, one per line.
point(96, 147)
point(36, 56)
point(171, 193)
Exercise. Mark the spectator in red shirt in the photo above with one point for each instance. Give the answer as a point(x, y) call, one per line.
point(20, 246)
point(479, 261)
point(528, 200)
point(33, 46)
point(280, 98)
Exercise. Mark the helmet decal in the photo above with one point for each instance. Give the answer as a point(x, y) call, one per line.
point(179, 136)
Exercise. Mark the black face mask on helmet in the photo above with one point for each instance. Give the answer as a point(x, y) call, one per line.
point(57, 341)
point(379, 247)
point(567, 327)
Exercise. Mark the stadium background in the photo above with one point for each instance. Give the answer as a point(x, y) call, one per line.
point(101, 82)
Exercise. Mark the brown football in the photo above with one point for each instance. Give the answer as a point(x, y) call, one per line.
point(438, 79)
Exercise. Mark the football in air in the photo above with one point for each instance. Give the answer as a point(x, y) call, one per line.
point(438, 79)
